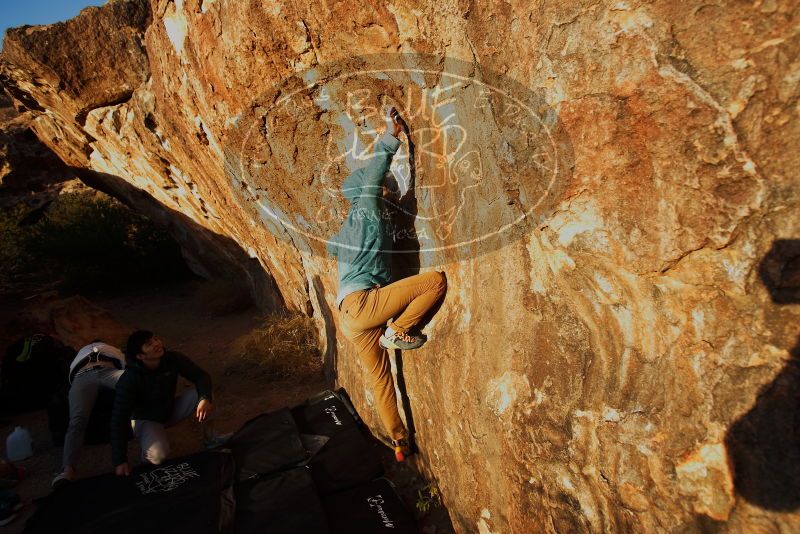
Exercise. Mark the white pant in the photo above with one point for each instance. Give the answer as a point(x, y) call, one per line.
point(152, 436)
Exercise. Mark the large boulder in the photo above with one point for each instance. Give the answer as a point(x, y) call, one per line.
point(30, 172)
point(611, 188)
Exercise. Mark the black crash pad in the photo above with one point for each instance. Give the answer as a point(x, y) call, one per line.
point(348, 458)
point(190, 494)
point(369, 508)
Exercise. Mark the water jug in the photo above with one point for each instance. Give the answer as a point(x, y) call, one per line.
point(19, 444)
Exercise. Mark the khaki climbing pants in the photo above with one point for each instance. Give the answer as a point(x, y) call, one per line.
point(364, 313)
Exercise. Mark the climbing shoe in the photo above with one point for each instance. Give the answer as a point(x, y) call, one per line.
point(401, 449)
point(402, 341)
point(61, 479)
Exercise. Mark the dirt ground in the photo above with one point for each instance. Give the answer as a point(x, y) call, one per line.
point(180, 317)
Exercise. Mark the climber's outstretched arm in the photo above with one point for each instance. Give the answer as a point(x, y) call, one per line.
point(368, 181)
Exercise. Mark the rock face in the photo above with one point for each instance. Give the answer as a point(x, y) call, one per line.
point(611, 188)
point(29, 171)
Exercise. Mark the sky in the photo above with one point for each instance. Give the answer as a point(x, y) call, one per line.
point(20, 12)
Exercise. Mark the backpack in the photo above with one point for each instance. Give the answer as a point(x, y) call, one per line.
point(34, 368)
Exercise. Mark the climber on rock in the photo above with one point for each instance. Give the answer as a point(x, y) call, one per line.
point(366, 300)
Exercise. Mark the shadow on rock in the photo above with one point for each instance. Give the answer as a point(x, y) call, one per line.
point(331, 356)
point(405, 401)
point(764, 444)
point(780, 271)
point(209, 255)
point(414, 488)
point(406, 251)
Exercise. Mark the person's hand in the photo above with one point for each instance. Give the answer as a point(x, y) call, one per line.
point(204, 409)
point(396, 122)
point(123, 470)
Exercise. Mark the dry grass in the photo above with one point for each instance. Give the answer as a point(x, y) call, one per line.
point(284, 348)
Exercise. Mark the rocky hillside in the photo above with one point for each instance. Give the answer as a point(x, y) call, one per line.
point(611, 188)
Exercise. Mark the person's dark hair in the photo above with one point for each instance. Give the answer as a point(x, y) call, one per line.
point(135, 342)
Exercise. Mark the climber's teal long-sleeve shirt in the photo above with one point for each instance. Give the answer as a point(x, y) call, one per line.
point(364, 242)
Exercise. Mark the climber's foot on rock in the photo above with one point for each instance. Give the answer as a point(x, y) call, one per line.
point(402, 450)
point(402, 340)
